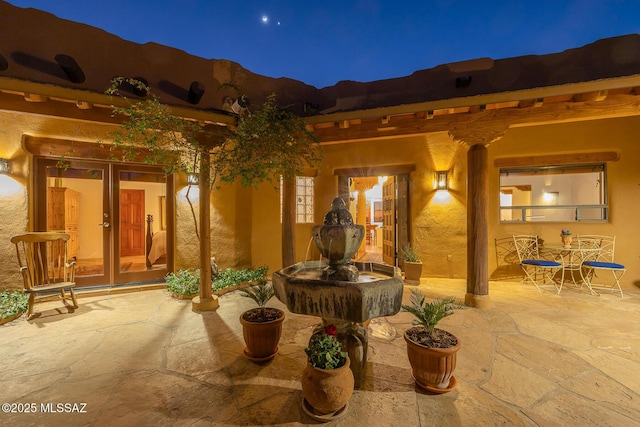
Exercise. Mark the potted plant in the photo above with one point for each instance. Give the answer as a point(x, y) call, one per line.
point(262, 326)
point(412, 264)
point(432, 351)
point(327, 380)
point(566, 237)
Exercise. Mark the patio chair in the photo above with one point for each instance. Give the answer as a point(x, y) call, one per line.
point(42, 257)
point(601, 261)
point(539, 271)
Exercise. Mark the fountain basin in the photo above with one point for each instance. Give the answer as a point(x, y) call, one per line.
point(376, 293)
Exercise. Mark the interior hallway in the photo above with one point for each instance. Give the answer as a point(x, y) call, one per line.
point(145, 359)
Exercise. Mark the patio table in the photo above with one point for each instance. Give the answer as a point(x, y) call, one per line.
point(573, 257)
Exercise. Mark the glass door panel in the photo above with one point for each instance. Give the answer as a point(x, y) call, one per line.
point(118, 217)
point(75, 199)
point(141, 236)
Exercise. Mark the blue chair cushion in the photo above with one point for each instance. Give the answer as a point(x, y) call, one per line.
point(541, 263)
point(598, 264)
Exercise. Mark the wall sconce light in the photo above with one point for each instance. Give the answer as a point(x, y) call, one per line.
point(442, 180)
point(4, 166)
point(193, 178)
point(550, 197)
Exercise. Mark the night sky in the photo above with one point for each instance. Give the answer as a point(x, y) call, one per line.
point(321, 42)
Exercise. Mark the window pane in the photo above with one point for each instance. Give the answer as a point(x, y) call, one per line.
point(304, 199)
point(554, 194)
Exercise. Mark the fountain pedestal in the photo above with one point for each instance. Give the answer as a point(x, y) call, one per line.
point(343, 293)
point(347, 305)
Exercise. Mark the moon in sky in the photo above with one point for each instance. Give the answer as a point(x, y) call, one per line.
point(265, 20)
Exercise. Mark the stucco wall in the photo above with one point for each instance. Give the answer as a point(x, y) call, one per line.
point(438, 226)
point(230, 226)
point(245, 223)
point(16, 214)
point(623, 176)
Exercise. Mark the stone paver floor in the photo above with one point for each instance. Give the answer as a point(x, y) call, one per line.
point(145, 359)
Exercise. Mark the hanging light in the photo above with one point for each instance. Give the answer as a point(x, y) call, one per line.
point(193, 178)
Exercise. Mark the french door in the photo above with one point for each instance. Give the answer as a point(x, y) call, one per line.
point(389, 221)
point(116, 214)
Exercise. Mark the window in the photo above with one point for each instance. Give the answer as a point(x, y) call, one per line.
point(304, 199)
point(554, 194)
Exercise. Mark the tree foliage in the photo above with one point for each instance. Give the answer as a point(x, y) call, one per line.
point(151, 130)
point(265, 143)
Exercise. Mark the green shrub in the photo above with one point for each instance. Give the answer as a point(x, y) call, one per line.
point(260, 293)
point(186, 282)
point(12, 303)
point(409, 254)
point(430, 314)
point(231, 277)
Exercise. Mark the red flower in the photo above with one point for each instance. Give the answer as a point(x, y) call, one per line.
point(330, 330)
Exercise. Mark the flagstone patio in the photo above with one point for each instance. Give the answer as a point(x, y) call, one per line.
point(138, 359)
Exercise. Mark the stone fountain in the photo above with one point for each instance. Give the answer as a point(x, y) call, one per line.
point(342, 292)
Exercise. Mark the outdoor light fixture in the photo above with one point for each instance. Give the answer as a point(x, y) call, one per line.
point(193, 178)
point(442, 180)
point(550, 197)
point(4, 166)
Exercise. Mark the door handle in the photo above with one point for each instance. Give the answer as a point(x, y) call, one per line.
point(105, 224)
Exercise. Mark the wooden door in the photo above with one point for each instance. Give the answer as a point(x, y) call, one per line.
point(389, 221)
point(402, 214)
point(132, 238)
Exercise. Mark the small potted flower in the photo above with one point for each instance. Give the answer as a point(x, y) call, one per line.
point(327, 380)
point(566, 237)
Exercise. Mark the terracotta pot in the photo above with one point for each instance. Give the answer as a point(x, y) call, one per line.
point(327, 391)
point(433, 367)
point(261, 338)
point(566, 240)
point(412, 271)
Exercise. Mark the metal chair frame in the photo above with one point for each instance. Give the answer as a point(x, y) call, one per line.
point(538, 270)
point(600, 261)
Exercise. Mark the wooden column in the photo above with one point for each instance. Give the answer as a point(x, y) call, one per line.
point(206, 301)
point(362, 217)
point(477, 227)
point(288, 221)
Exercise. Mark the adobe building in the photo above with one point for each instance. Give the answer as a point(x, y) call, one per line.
point(525, 145)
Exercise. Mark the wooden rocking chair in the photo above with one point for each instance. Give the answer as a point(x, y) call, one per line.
point(42, 257)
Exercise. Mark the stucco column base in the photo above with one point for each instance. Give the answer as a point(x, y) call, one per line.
point(477, 301)
point(205, 305)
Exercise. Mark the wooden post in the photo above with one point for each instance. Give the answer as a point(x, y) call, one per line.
point(206, 301)
point(477, 227)
point(288, 221)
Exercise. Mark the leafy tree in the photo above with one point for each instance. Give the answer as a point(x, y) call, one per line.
point(263, 145)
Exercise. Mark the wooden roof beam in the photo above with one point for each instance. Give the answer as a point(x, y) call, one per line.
point(599, 95)
point(33, 97)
